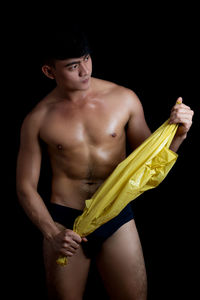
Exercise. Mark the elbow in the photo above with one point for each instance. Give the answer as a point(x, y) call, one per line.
point(24, 190)
point(21, 192)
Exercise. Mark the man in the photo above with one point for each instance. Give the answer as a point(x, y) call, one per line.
point(82, 121)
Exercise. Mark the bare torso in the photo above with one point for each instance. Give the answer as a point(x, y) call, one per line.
point(85, 140)
point(85, 137)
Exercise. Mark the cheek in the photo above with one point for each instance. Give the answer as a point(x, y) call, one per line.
point(68, 76)
point(90, 66)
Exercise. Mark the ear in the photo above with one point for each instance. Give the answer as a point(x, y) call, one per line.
point(48, 71)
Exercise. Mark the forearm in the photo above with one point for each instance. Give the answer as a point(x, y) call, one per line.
point(37, 212)
point(176, 142)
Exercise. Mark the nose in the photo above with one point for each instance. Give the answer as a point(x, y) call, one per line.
point(83, 70)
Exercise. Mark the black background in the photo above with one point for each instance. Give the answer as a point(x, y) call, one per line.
point(151, 50)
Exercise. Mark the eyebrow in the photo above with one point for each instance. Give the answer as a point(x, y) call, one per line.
point(73, 63)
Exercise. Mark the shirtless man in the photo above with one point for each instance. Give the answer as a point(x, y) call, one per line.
point(82, 121)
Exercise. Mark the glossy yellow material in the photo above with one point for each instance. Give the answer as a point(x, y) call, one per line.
point(142, 170)
point(62, 261)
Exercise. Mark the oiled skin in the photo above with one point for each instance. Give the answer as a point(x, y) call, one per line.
point(82, 122)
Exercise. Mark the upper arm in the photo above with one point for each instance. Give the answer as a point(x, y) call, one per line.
point(137, 130)
point(29, 156)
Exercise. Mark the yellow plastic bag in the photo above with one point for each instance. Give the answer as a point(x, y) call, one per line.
point(142, 170)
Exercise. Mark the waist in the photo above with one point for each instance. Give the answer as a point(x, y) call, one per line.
point(73, 193)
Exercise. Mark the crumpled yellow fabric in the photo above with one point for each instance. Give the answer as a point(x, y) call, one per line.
point(143, 169)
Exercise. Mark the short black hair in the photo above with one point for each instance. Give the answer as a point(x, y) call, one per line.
point(63, 44)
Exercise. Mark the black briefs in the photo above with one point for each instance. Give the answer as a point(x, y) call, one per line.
point(66, 216)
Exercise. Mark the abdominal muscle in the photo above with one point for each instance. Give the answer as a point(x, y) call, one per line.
point(73, 193)
point(80, 179)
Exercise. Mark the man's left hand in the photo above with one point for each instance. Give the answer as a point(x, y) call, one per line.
point(183, 115)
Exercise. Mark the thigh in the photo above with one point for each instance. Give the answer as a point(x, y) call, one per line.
point(65, 282)
point(121, 264)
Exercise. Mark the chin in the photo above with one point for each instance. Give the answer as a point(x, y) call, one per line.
point(85, 84)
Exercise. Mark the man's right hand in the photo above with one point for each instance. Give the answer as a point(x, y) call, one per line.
point(66, 242)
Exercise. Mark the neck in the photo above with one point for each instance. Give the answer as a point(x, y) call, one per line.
point(72, 95)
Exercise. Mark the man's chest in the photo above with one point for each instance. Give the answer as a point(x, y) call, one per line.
point(92, 125)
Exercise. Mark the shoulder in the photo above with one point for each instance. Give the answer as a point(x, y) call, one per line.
point(114, 88)
point(33, 120)
point(121, 94)
point(129, 99)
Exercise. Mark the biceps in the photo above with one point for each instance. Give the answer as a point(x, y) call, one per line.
point(137, 131)
point(28, 166)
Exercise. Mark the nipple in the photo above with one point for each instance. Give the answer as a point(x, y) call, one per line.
point(59, 147)
point(113, 134)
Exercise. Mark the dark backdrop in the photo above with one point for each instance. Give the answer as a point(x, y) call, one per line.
point(154, 53)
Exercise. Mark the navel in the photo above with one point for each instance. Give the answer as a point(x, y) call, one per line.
point(59, 147)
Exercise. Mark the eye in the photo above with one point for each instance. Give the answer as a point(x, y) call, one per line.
point(73, 67)
point(87, 57)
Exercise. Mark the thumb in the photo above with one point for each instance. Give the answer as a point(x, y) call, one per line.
point(179, 100)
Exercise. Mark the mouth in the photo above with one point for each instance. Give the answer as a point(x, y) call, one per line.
point(85, 80)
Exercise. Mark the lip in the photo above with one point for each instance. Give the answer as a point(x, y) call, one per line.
point(85, 80)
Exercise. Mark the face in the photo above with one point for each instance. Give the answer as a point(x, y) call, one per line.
point(72, 74)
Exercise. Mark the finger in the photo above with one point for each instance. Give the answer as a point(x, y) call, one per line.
point(74, 245)
point(182, 120)
point(73, 236)
point(180, 106)
point(182, 113)
point(179, 100)
point(84, 239)
point(67, 246)
point(179, 103)
point(66, 252)
point(180, 110)
point(71, 250)
point(76, 238)
point(181, 116)
point(71, 245)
